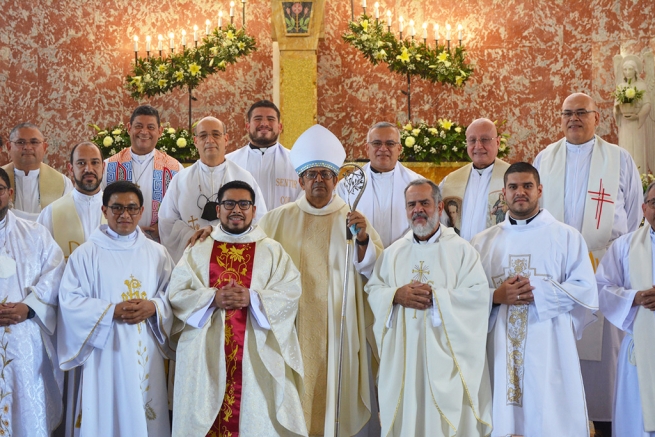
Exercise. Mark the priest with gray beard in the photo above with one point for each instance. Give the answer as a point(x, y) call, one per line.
point(430, 299)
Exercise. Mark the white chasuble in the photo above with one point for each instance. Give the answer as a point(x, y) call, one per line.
point(271, 366)
point(537, 383)
point(383, 201)
point(123, 384)
point(273, 171)
point(433, 380)
point(181, 211)
point(316, 241)
point(31, 383)
point(474, 201)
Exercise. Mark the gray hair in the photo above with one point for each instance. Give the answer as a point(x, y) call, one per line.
point(381, 125)
point(26, 125)
point(436, 192)
point(648, 188)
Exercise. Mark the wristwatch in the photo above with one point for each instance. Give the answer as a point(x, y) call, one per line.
point(30, 313)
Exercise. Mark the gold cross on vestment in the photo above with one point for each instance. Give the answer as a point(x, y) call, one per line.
point(421, 275)
point(193, 221)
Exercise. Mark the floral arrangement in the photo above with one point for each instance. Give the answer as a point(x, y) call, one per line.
point(444, 142)
point(177, 143)
point(647, 179)
point(188, 68)
point(408, 56)
point(627, 94)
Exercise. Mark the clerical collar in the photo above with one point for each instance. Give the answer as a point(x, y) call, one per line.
point(209, 168)
point(234, 235)
point(31, 175)
point(432, 239)
point(486, 169)
point(522, 222)
point(582, 146)
point(261, 149)
point(114, 236)
point(89, 197)
point(142, 158)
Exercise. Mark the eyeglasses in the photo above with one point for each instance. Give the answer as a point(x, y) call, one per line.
point(23, 143)
point(650, 203)
point(244, 205)
point(482, 141)
point(3, 190)
point(387, 144)
point(119, 209)
point(325, 174)
point(579, 113)
point(204, 136)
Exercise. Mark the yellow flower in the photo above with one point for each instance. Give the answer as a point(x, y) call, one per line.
point(181, 143)
point(459, 80)
point(241, 45)
point(381, 54)
point(221, 64)
point(229, 34)
point(108, 141)
point(415, 132)
point(162, 68)
point(136, 80)
point(443, 57)
point(194, 69)
point(116, 132)
point(170, 130)
point(179, 75)
point(410, 141)
point(446, 124)
point(458, 129)
point(162, 83)
point(408, 127)
point(433, 131)
point(404, 56)
point(213, 50)
point(365, 25)
point(630, 93)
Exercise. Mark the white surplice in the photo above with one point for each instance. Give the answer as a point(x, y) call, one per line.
point(271, 367)
point(616, 295)
point(123, 388)
point(179, 215)
point(31, 383)
point(599, 376)
point(273, 171)
point(89, 210)
point(534, 364)
point(383, 201)
point(26, 197)
point(433, 378)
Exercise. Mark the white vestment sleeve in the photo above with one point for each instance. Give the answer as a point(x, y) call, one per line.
point(633, 196)
point(200, 317)
point(366, 266)
point(257, 310)
point(161, 323)
point(45, 219)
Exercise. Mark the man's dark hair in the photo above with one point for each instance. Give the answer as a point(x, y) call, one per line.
point(453, 203)
point(90, 143)
point(5, 177)
point(145, 110)
point(236, 185)
point(263, 104)
point(26, 125)
point(522, 167)
point(436, 192)
point(121, 187)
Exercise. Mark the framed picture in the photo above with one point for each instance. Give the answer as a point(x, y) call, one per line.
point(297, 17)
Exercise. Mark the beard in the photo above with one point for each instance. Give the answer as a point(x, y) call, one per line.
point(428, 228)
point(88, 187)
point(263, 142)
point(236, 229)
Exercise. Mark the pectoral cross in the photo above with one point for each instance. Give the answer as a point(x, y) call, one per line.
point(421, 275)
point(193, 221)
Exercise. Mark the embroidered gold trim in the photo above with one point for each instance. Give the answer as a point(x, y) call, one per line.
point(89, 336)
point(517, 333)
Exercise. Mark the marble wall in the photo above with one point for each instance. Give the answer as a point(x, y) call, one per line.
point(63, 63)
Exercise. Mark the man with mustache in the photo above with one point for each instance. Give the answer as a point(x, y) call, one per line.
point(475, 187)
point(430, 299)
point(36, 184)
point(150, 169)
point(265, 158)
point(235, 298)
point(542, 284)
point(31, 266)
point(191, 199)
point(387, 178)
point(593, 186)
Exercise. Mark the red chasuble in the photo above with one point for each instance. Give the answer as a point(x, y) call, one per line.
point(231, 262)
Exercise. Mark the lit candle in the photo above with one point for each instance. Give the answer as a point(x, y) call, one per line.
point(148, 39)
point(389, 18)
point(364, 4)
point(171, 35)
point(377, 10)
point(411, 28)
point(183, 39)
point(459, 32)
point(207, 23)
point(400, 24)
point(231, 10)
point(436, 33)
point(447, 32)
point(220, 19)
point(160, 46)
point(425, 32)
point(195, 33)
point(136, 43)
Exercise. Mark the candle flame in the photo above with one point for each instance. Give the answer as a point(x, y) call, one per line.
point(183, 32)
point(389, 14)
point(459, 27)
point(160, 37)
point(231, 4)
point(207, 22)
point(195, 27)
point(220, 13)
point(148, 38)
point(425, 25)
point(136, 38)
point(447, 26)
point(171, 35)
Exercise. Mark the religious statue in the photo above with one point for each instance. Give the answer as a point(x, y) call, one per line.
point(632, 107)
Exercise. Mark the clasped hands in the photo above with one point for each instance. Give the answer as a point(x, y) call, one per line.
point(13, 313)
point(645, 298)
point(515, 290)
point(231, 296)
point(416, 295)
point(134, 311)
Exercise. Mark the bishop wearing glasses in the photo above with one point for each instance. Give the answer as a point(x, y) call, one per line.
point(190, 202)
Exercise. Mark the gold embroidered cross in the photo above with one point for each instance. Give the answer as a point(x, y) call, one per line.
point(421, 275)
point(193, 221)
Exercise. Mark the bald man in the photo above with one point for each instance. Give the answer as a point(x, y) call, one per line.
point(473, 194)
point(190, 201)
point(593, 186)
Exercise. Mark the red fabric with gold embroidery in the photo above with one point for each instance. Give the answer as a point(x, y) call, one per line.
point(231, 262)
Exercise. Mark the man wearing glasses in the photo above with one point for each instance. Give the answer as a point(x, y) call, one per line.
point(383, 200)
point(36, 184)
point(593, 186)
point(190, 202)
point(235, 298)
point(114, 322)
point(627, 297)
point(476, 188)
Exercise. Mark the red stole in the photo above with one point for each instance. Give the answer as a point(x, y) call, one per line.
point(231, 261)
